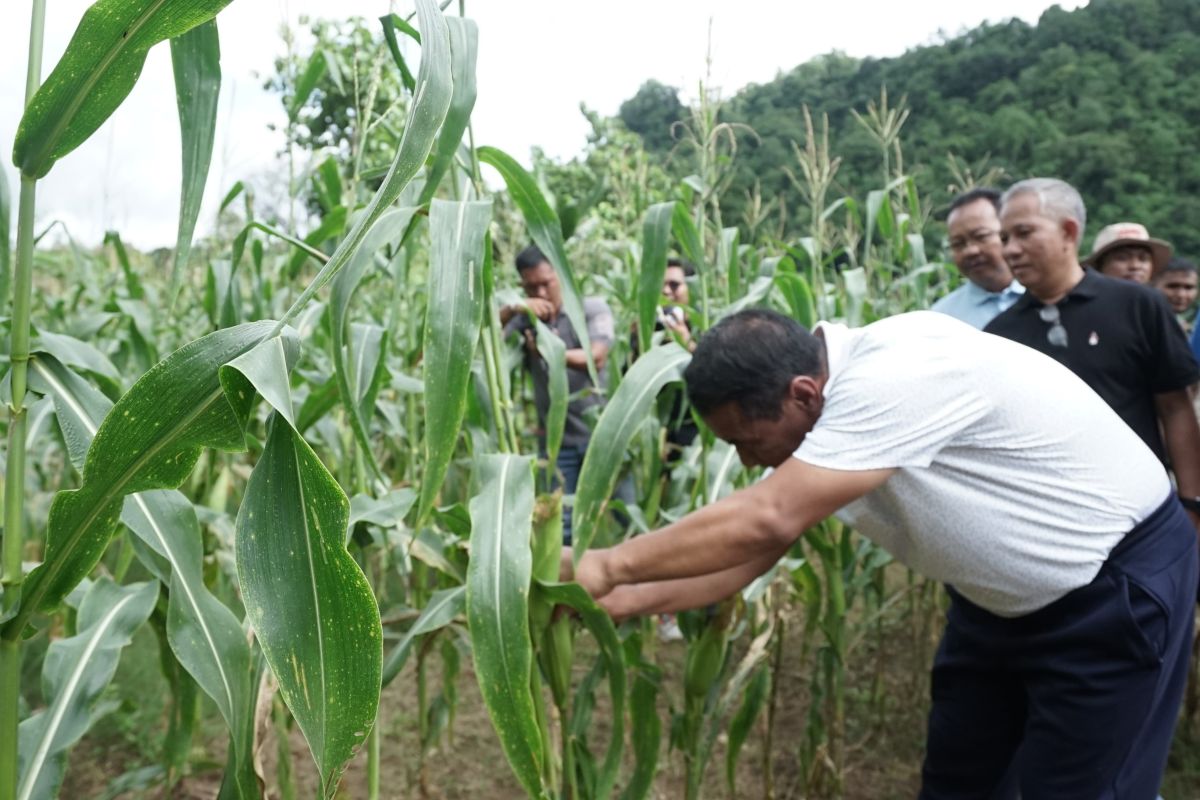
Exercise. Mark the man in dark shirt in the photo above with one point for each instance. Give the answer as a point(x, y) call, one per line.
point(1119, 337)
point(543, 297)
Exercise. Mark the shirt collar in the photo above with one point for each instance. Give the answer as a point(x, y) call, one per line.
point(837, 343)
point(1086, 289)
point(977, 295)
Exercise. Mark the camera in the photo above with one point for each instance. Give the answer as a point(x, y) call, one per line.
point(671, 314)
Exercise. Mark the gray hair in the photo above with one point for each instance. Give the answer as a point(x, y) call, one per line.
point(1057, 199)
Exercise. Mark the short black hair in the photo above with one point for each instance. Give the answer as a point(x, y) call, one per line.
point(750, 358)
point(530, 257)
point(1180, 264)
point(979, 193)
point(682, 263)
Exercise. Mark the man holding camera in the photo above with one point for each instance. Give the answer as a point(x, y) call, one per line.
point(543, 297)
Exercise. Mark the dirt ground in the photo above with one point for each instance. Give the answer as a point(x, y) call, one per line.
point(886, 704)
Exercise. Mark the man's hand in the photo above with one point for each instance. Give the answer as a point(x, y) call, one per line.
point(592, 573)
point(541, 308)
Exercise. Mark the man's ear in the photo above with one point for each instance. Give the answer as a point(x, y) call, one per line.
point(1072, 231)
point(805, 390)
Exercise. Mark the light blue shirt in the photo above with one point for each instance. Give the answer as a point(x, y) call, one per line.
point(976, 306)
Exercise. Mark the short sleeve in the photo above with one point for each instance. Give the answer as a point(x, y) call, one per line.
point(1174, 366)
point(881, 412)
point(599, 320)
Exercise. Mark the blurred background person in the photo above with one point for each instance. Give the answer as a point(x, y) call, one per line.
point(1125, 250)
point(973, 228)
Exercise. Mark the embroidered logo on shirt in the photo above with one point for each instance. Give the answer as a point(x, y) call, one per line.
point(1094, 339)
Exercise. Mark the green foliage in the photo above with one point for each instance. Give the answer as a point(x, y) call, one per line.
point(498, 584)
point(1104, 97)
point(342, 86)
point(196, 58)
point(76, 671)
point(652, 113)
point(102, 63)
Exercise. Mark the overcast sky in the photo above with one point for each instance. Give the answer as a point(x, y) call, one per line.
point(538, 59)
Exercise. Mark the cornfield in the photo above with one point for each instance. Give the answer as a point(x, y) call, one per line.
point(303, 463)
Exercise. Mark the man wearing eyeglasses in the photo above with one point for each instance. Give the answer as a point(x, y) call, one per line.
point(974, 233)
point(1120, 337)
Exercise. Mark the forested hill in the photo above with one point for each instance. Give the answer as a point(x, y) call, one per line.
point(1106, 97)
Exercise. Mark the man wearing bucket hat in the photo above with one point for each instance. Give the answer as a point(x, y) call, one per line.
point(1126, 251)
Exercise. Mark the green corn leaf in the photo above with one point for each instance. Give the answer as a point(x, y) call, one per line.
point(443, 608)
point(799, 297)
point(553, 351)
point(386, 231)
point(311, 607)
point(328, 184)
point(101, 64)
point(755, 294)
point(336, 70)
point(854, 282)
point(78, 354)
point(196, 59)
point(241, 780)
point(464, 49)
point(78, 406)
point(309, 603)
point(204, 635)
point(150, 440)
point(728, 262)
point(736, 688)
point(656, 237)
point(645, 730)
point(307, 82)
point(498, 609)
point(432, 101)
point(688, 236)
point(317, 404)
point(739, 727)
point(387, 512)
point(263, 370)
point(133, 283)
point(75, 672)
point(368, 355)
point(331, 226)
point(391, 24)
point(546, 231)
point(624, 413)
point(221, 295)
point(235, 190)
point(723, 466)
point(452, 324)
point(600, 625)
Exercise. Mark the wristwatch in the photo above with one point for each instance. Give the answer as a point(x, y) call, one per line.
point(1190, 503)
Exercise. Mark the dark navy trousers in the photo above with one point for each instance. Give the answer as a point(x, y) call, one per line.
point(1079, 698)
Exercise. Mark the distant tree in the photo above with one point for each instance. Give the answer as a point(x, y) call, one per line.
point(652, 112)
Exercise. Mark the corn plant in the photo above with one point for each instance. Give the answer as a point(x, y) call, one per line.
point(299, 585)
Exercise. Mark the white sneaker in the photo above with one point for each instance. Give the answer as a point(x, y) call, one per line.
point(668, 629)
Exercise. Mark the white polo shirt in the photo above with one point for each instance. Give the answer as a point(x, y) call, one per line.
point(1014, 480)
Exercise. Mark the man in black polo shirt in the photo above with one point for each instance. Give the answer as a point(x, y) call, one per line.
point(1119, 337)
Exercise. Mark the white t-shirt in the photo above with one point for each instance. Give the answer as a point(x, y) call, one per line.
point(1014, 480)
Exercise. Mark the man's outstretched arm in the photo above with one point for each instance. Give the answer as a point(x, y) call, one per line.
point(667, 597)
point(746, 527)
